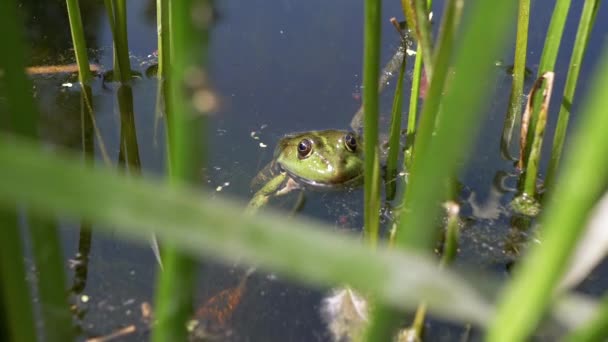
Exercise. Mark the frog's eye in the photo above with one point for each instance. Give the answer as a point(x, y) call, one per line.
point(350, 142)
point(304, 148)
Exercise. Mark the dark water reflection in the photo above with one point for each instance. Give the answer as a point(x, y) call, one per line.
point(278, 67)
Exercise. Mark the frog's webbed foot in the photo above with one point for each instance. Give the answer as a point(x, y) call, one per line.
point(278, 186)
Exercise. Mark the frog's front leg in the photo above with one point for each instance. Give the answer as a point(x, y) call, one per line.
point(278, 186)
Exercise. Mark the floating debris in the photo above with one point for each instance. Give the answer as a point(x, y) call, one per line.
point(67, 85)
point(346, 313)
point(84, 298)
point(221, 187)
point(262, 145)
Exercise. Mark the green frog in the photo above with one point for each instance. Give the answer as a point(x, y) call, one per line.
point(325, 159)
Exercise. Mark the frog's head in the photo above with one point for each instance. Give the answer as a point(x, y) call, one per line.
point(330, 158)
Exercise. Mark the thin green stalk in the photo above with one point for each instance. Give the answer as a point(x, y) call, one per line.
point(562, 224)
point(554, 36)
point(81, 270)
point(416, 14)
point(117, 17)
point(394, 146)
point(450, 245)
point(189, 40)
point(580, 45)
point(426, 133)
point(371, 63)
point(23, 117)
point(164, 59)
point(450, 249)
point(121, 41)
point(129, 148)
point(18, 89)
point(533, 161)
point(418, 324)
point(550, 51)
point(596, 329)
point(423, 25)
point(15, 289)
point(51, 279)
point(109, 5)
point(519, 68)
point(430, 110)
point(413, 110)
point(414, 96)
point(80, 46)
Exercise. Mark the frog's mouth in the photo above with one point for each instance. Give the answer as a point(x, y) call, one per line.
point(339, 183)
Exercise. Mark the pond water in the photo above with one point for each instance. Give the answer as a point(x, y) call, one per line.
point(277, 67)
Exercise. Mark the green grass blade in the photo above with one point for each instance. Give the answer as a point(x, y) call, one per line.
point(45, 242)
point(371, 69)
point(562, 224)
point(519, 68)
point(549, 55)
point(209, 226)
point(461, 105)
point(51, 279)
point(423, 28)
point(580, 45)
point(129, 148)
point(121, 41)
point(554, 36)
point(413, 110)
point(18, 89)
point(430, 110)
point(187, 81)
point(394, 145)
point(80, 46)
point(416, 14)
point(206, 225)
point(15, 289)
point(532, 164)
point(596, 329)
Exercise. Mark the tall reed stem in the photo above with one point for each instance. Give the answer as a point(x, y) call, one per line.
point(394, 146)
point(371, 68)
point(187, 88)
point(549, 55)
point(80, 47)
point(519, 68)
point(580, 45)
